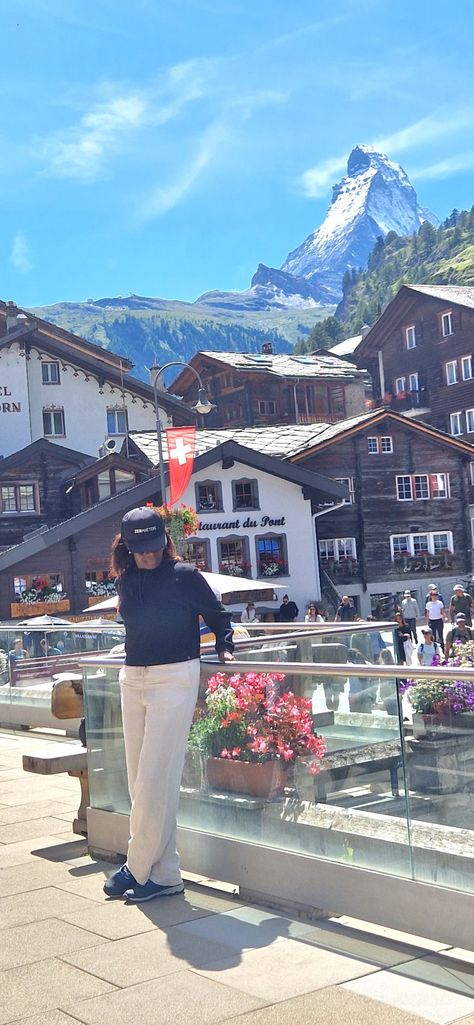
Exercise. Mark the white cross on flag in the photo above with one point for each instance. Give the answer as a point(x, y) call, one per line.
point(181, 443)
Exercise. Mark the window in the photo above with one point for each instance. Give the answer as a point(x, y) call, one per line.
point(422, 487)
point(404, 488)
point(43, 585)
point(400, 545)
point(386, 444)
point(470, 420)
point(413, 382)
point(451, 372)
point(245, 494)
point(53, 423)
point(410, 337)
point(349, 484)
point(50, 373)
point(208, 496)
point(338, 548)
point(416, 545)
point(198, 552)
point(18, 498)
point(466, 365)
point(123, 480)
point(439, 484)
point(447, 324)
point(420, 543)
point(266, 406)
point(455, 424)
point(400, 383)
point(272, 560)
point(233, 556)
point(372, 446)
point(117, 421)
point(471, 472)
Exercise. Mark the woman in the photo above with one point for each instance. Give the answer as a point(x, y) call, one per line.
point(428, 648)
point(402, 635)
point(249, 614)
point(160, 601)
point(312, 614)
point(435, 615)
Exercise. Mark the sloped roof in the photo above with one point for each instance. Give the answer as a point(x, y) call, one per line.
point(278, 441)
point(463, 295)
point(347, 346)
point(283, 365)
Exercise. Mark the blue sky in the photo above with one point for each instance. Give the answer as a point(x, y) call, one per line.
point(166, 147)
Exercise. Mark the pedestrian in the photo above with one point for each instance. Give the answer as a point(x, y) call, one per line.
point(361, 688)
point(428, 648)
point(288, 610)
point(460, 634)
point(345, 613)
point(312, 614)
point(433, 587)
point(435, 614)
point(402, 636)
point(160, 601)
point(411, 613)
point(249, 614)
point(461, 601)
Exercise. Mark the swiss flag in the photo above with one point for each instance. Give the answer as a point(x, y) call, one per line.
point(181, 443)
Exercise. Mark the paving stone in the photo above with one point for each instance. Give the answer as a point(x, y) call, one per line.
point(331, 1006)
point(50, 1018)
point(35, 810)
point(392, 934)
point(244, 928)
point(393, 987)
point(181, 998)
point(377, 950)
point(42, 985)
point(285, 969)
point(116, 919)
point(133, 960)
point(24, 944)
point(33, 876)
point(32, 827)
point(49, 902)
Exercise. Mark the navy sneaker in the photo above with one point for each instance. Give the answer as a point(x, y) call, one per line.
point(119, 882)
point(148, 891)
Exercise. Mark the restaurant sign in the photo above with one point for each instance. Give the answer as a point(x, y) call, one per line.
point(265, 521)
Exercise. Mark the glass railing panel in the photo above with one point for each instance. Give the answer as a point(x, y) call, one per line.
point(105, 745)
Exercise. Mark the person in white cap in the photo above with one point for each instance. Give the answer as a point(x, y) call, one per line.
point(461, 601)
point(411, 613)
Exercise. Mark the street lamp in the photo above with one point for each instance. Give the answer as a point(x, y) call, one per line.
point(203, 405)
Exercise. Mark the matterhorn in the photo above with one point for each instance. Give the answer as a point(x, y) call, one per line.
point(374, 198)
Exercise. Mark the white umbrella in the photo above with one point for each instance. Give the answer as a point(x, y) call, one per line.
point(44, 621)
point(226, 588)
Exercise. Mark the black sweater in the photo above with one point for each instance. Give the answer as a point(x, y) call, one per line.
point(161, 609)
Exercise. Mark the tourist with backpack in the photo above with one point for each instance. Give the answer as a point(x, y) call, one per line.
point(428, 648)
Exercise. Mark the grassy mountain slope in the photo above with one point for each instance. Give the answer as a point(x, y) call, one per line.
point(432, 256)
point(157, 331)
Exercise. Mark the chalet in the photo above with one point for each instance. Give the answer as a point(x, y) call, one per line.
point(255, 389)
point(260, 526)
point(45, 483)
point(407, 520)
point(58, 386)
point(419, 354)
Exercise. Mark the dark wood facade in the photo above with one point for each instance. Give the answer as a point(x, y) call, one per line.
point(395, 543)
point(419, 354)
point(259, 397)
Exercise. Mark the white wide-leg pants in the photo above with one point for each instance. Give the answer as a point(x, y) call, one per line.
point(157, 709)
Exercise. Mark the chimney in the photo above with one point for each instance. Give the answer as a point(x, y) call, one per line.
point(12, 314)
point(364, 330)
point(154, 371)
point(267, 349)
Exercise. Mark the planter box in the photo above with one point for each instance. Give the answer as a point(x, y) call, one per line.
point(94, 599)
point(20, 610)
point(258, 779)
point(428, 726)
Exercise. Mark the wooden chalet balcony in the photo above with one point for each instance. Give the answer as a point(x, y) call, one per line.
point(404, 402)
point(341, 571)
point(318, 418)
point(413, 565)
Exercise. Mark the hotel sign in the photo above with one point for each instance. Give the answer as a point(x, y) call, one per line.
point(8, 407)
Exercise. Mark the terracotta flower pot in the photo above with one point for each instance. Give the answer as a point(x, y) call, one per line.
point(257, 779)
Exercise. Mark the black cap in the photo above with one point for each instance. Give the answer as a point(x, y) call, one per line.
point(143, 530)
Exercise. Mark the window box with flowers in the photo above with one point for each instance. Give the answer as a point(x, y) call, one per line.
point(272, 568)
point(252, 732)
point(241, 569)
point(40, 597)
point(181, 521)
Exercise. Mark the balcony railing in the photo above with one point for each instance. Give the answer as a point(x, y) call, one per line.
point(341, 570)
point(426, 562)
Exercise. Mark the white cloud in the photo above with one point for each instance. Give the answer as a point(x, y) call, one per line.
point(85, 151)
point(20, 253)
point(444, 168)
point(316, 181)
point(164, 197)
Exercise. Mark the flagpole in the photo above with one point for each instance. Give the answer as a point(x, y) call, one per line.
point(203, 405)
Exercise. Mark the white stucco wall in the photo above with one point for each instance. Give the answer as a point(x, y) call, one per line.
point(277, 499)
point(85, 409)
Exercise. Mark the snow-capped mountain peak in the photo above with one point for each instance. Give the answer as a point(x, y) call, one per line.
point(374, 198)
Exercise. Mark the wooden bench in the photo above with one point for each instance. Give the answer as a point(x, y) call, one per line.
point(66, 703)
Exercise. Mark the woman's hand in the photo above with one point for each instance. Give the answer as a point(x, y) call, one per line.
point(225, 656)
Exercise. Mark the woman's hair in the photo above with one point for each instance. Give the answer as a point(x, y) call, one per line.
point(121, 559)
